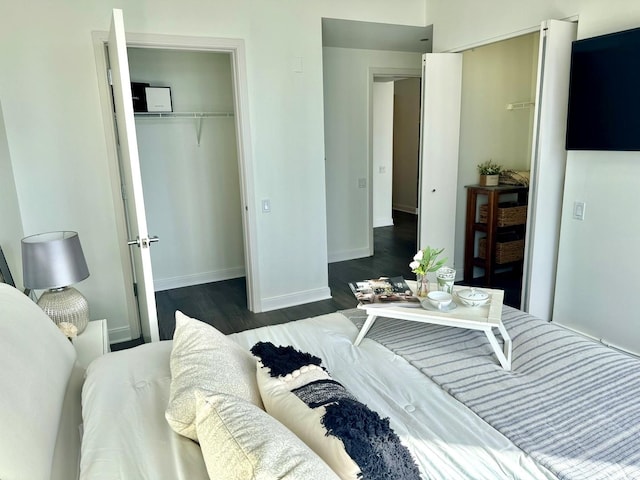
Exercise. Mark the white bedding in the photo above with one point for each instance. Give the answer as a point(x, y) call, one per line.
point(130, 437)
point(125, 434)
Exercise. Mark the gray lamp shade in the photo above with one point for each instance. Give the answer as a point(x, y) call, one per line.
point(53, 260)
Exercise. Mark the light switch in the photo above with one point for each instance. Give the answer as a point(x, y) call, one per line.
point(578, 210)
point(266, 205)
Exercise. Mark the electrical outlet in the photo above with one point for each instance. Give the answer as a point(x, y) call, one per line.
point(382, 169)
point(362, 183)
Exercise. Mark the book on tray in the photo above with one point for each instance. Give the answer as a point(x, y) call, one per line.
point(384, 291)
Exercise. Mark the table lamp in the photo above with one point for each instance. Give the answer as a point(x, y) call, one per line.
point(53, 261)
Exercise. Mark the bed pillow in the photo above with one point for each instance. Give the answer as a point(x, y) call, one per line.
point(353, 440)
point(239, 440)
point(206, 359)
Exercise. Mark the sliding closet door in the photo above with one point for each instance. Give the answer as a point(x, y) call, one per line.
point(439, 141)
point(548, 164)
point(131, 178)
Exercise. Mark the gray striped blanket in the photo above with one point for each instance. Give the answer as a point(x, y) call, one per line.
point(571, 403)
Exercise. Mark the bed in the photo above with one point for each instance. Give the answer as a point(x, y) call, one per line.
point(113, 421)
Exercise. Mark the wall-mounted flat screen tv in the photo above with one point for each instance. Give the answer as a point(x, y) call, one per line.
point(604, 93)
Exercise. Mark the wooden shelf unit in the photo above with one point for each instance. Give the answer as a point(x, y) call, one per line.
point(490, 229)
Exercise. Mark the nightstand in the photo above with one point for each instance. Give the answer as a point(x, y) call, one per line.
point(92, 343)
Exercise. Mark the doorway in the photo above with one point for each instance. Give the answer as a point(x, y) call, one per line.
point(544, 124)
point(234, 49)
point(495, 78)
point(189, 169)
point(395, 147)
point(394, 107)
point(395, 156)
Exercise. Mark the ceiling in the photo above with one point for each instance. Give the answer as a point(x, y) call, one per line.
point(376, 36)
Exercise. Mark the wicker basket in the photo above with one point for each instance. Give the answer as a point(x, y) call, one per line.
point(505, 251)
point(507, 215)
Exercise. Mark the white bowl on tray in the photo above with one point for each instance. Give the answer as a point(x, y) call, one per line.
point(439, 299)
point(473, 297)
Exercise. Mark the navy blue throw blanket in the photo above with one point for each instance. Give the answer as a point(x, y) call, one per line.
point(368, 439)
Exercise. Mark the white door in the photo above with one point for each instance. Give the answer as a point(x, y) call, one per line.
point(548, 163)
point(131, 178)
point(439, 141)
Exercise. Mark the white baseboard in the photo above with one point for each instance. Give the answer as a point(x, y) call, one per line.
point(406, 208)
point(382, 222)
point(348, 255)
point(119, 334)
point(297, 298)
point(161, 284)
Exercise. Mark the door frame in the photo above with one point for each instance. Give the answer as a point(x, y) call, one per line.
point(380, 72)
point(236, 49)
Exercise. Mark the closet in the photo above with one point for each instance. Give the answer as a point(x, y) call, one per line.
point(497, 113)
point(189, 166)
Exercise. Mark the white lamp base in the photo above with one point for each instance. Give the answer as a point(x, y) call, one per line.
point(66, 305)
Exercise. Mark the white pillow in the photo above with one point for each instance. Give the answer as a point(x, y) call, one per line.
point(241, 441)
point(204, 358)
point(305, 422)
point(353, 439)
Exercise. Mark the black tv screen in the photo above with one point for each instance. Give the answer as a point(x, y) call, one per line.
point(604, 93)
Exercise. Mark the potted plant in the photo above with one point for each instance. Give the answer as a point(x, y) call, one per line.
point(425, 261)
point(489, 173)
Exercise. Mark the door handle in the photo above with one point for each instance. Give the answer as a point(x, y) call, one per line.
point(144, 242)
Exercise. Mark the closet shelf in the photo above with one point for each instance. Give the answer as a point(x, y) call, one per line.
point(183, 114)
point(520, 105)
point(196, 115)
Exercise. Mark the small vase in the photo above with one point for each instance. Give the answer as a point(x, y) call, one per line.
point(422, 285)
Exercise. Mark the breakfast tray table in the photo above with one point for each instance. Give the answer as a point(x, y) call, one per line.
point(484, 318)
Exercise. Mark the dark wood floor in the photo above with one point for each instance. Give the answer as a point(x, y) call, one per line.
point(224, 304)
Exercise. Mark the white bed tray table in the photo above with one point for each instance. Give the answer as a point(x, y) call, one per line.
point(484, 318)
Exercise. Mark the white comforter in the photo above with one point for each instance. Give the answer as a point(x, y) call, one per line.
point(126, 393)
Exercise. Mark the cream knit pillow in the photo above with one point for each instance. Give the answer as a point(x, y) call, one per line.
point(241, 441)
point(204, 358)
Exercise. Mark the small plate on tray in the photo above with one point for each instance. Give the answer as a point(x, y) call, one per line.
point(427, 306)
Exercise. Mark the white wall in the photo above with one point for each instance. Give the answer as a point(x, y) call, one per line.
point(347, 73)
point(492, 77)
point(599, 256)
point(606, 181)
point(57, 145)
point(11, 230)
point(406, 144)
point(192, 191)
point(382, 153)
